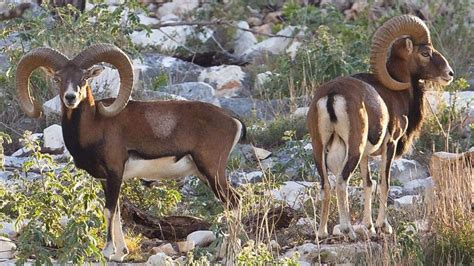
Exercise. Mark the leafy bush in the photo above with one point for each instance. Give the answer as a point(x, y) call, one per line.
point(337, 48)
point(442, 131)
point(271, 134)
point(58, 213)
point(157, 200)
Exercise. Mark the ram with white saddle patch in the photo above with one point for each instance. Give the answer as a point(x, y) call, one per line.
point(116, 139)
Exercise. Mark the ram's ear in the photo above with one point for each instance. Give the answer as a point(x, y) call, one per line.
point(409, 46)
point(49, 71)
point(93, 71)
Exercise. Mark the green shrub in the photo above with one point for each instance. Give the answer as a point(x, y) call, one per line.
point(157, 200)
point(270, 134)
point(59, 214)
point(338, 48)
point(442, 131)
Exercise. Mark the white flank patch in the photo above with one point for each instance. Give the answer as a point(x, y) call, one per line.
point(162, 125)
point(166, 167)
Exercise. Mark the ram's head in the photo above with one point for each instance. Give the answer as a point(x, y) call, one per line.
point(72, 76)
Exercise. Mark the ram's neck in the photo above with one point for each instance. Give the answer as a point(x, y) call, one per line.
point(75, 121)
point(415, 115)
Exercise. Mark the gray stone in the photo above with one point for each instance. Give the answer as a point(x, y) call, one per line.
point(160, 259)
point(244, 40)
point(202, 238)
point(418, 185)
point(403, 170)
point(178, 7)
point(176, 70)
point(155, 96)
point(293, 194)
point(300, 112)
point(228, 80)
point(249, 108)
point(52, 109)
point(395, 191)
point(337, 253)
point(407, 202)
point(196, 91)
point(4, 63)
point(53, 141)
point(273, 45)
point(7, 248)
point(8, 229)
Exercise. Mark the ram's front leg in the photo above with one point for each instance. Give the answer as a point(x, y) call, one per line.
point(112, 215)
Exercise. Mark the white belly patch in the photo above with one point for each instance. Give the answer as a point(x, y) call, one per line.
point(166, 167)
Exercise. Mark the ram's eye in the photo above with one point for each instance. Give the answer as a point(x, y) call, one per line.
point(425, 54)
point(82, 83)
point(57, 79)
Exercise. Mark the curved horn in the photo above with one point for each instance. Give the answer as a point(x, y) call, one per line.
point(385, 36)
point(110, 54)
point(45, 57)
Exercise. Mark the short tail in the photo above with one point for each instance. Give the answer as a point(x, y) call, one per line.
point(243, 133)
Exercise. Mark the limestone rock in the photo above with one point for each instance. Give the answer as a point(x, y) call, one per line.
point(195, 91)
point(244, 40)
point(185, 246)
point(201, 238)
point(53, 139)
point(407, 202)
point(160, 259)
point(336, 253)
point(7, 248)
point(229, 81)
point(293, 194)
point(261, 154)
point(166, 249)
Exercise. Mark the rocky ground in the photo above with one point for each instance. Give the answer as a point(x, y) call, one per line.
point(232, 86)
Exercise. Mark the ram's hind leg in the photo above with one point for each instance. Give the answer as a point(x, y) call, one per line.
point(388, 154)
point(213, 170)
point(368, 189)
point(319, 158)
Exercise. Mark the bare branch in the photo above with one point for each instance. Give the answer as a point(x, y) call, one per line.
point(216, 22)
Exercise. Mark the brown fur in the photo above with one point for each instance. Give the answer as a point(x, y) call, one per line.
point(404, 110)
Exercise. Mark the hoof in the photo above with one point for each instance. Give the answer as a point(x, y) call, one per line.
point(323, 233)
point(371, 229)
point(385, 228)
point(117, 257)
point(108, 251)
point(345, 230)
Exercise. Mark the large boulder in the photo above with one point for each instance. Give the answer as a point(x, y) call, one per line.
point(177, 7)
point(53, 141)
point(195, 91)
point(201, 238)
point(176, 70)
point(243, 40)
point(293, 194)
point(228, 80)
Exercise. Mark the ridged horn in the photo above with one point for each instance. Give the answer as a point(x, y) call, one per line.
point(39, 57)
point(390, 31)
point(111, 54)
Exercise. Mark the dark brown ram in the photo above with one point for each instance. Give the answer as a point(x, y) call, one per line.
point(151, 140)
